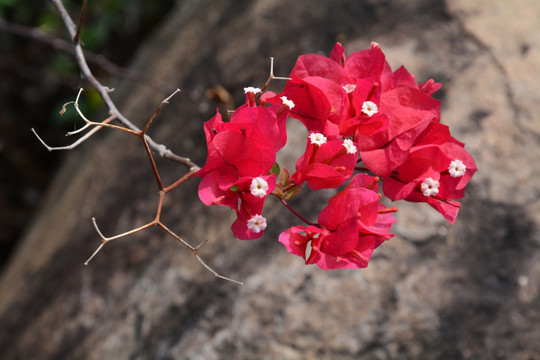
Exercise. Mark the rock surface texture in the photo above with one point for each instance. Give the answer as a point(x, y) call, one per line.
point(470, 291)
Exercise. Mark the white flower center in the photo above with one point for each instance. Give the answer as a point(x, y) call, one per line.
point(252, 90)
point(349, 145)
point(317, 138)
point(287, 102)
point(349, 88)
point(457, 168)
point(257, 223)
point(430, 187)
point(369, 108)
point(258, 187)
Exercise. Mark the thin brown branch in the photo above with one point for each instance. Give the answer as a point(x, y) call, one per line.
point(152, 161)
point(180, 181)
point(77, 37)
point(142, 134)
point(166, 101)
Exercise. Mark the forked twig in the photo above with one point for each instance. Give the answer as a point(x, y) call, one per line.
point(103, 91)
point(162, 192)
point(129, 127)
point(157, 222)
point(105, 239)
point(270, 78)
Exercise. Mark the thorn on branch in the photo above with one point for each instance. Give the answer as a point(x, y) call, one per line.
point(201, 244)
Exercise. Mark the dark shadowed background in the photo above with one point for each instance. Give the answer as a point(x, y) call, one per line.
point(434, 291)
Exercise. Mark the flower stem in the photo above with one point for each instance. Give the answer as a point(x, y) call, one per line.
point(297, 214)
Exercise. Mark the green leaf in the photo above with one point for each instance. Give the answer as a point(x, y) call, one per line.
point(275, 169)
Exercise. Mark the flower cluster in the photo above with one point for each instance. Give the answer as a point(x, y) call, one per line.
point(241, 154)
point(362, 118)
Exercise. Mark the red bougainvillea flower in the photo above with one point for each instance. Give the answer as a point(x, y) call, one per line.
point(409, 112)
point(224, 187)
point(383, 112)
point(250, 223)
point(312, 105)
point(326, 163)
point(436, 171)
point(352, 225)
point(248, 226)
point(403, 78)
point(355, 109)
point(240, 155)
point(248, 142)
point(335, 88)
point(246, 195)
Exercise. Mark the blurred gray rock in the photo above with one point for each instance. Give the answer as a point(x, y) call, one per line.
point(469, 291)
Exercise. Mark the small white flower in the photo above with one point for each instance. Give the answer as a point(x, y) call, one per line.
point(369, 108)
point(430, 187)
point(258, 187)
point(349, 88)
point(287, 102)
point(457, 168)
point(257, 223)
point(349, 145)
point(375, 45)
point(252, 90)
point(317, 138)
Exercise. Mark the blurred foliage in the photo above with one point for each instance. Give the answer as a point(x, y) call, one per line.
point(109, 29)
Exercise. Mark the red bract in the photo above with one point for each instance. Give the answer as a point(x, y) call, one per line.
point(312, 106)
point(441, 158)
point(246, 195)
point(402, 78)
point(340, 69)
point(357, 94)
point(240, 155)
point(409, 113)
point(325, 164)
point(384, 112)
point(248, 142)
point(352, 225)
point(224, 187)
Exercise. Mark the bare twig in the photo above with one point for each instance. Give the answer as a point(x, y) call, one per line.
point(270, 78)
point(129, 127)
point(157, 222)
point(103, 92)
point(105, 239)
point(195, 252)
point(79, 141)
